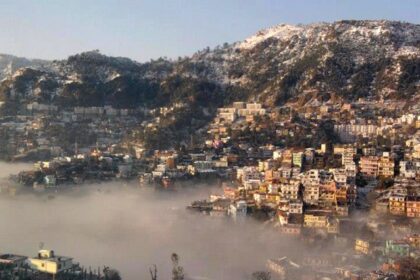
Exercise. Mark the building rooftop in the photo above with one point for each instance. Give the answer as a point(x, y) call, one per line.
point(11, 259)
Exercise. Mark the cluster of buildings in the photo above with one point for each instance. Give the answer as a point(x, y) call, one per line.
point(353, 263)
point(93, 167)
point(368, 167)
point(42, 131)
point(312, 187)
point(349, 132)
point(238, 110)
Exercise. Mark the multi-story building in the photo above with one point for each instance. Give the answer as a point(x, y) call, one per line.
point(397, 204)
point(290, 189)
point(252, 109)
point(340, 177)
point(320, 221)
point(413, 206)
point(316, 176)
point(297, 159)
point(347, 153)
point(349, 132)
point(248, 173)
point(327, 193)
point(369, 166)
point(407, 169)
point(362, 246)
point(267, 165)
point(386, 166)
point(296, 207)
point(311, 194)
point(286, 172)
point(315, 221)
point(227, 114)
point(351, 171)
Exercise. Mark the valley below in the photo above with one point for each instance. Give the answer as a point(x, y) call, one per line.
point(131, 229)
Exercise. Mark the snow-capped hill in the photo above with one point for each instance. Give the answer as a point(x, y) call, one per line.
point(357, 30)
point(285, 63)
point(346, 58)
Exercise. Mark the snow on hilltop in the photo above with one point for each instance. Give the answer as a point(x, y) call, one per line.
point(281, 31)
point(357, 29)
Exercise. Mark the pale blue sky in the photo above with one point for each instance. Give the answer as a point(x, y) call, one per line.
point(145, 29)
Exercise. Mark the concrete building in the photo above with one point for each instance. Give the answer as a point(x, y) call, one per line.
point(369, 166)
point(311, 194)
point(362, 246)
point(413, 207)
point(397, 204)
point(386, 166)
point(48, 262)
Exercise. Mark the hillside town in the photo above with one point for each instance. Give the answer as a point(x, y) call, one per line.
point(357, 195)
point(342, 176)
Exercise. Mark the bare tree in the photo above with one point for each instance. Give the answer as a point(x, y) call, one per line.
point(153, 272)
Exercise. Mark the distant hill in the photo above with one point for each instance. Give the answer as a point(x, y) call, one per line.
point(343, 60)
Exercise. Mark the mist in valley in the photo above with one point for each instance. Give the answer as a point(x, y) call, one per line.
point(131, 228)
point(7, 168)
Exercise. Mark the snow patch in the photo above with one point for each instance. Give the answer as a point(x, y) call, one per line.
point(282, 31)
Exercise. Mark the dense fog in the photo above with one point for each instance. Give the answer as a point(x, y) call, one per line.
point(131, 228)
point(12, 168)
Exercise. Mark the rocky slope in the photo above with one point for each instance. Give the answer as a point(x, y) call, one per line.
point(342, 60)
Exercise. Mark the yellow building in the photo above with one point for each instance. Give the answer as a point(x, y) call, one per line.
point(397, 204)
point(47, 262)
point(386, 166)
point(263, 188)
point(362, 246)
point(273, 198)
point(315, 221)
